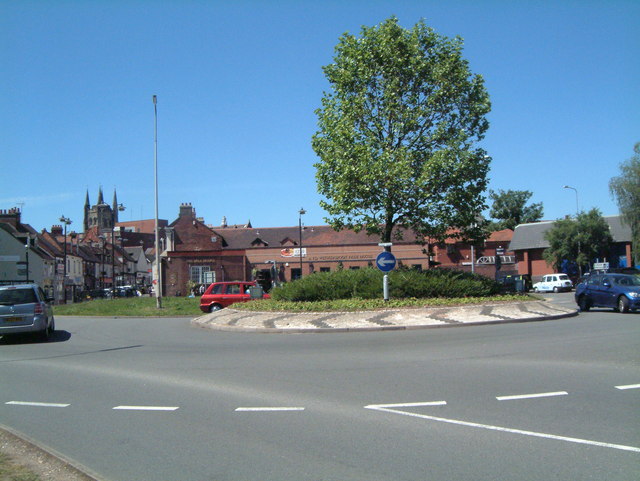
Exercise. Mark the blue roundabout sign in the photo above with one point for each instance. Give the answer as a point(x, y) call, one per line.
point(386, 261)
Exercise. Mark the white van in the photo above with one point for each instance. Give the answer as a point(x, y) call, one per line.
point(553, 282)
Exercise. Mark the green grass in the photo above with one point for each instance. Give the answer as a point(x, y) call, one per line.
point(185, 306)
point(11, 471)
point(371, 304)
point(132, 306)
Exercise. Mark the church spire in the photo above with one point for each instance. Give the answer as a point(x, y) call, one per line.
point(100, 198)
point(115, 207)
point(87, 208)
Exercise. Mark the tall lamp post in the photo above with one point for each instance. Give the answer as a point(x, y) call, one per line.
point(155, 170)
point(66, 221)
point(26, 252)
point(577, 213)
point(120, 208)
point(102, 244)
point(301, 212)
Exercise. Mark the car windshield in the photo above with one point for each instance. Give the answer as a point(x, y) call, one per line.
point(17, 296)
point(627, 280)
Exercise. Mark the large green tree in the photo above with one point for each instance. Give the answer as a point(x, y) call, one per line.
point(578, 240)
point(398, 134)
point(510, 208)
point(626, 190)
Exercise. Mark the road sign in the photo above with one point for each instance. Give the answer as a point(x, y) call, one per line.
point(600, 266)
point(386, 261)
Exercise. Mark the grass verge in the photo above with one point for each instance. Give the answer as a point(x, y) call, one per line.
point(189, 306)
point(372, 304)
point(132, 307)
point(12, 471)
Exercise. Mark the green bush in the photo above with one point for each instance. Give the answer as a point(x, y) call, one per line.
point(367, 284)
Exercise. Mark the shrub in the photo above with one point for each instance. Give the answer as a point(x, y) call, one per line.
point(367, 284)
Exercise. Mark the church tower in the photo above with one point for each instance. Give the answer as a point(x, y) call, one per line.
point(101, 215)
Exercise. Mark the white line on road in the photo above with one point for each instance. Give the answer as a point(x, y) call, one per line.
point(147, 408)
point(46, 405)
point(531, 396)
point(630, 386)
point(268, 409)
point(508, 430)
point(407, 405)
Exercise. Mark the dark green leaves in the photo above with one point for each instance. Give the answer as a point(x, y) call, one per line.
point(398, 133)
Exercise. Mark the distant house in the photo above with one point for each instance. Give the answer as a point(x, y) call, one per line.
point(197, 253)
point(528, 244)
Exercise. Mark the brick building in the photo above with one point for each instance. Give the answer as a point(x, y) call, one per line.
point(200, 253)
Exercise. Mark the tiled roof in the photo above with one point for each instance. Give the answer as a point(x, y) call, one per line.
point(531, 236)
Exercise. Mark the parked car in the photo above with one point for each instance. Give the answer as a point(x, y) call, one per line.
point(553, 282)
point(618, 291)
point(223, 294)
point(25, 309)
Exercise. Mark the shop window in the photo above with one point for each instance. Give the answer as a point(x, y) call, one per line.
point(197, 273)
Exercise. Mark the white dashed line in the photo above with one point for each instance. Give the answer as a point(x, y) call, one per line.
point(37, 404)
point(146, 408)
point(505, 430)
point(630, 386)
point(268, 409)
point(531, 396)
point(407, 405)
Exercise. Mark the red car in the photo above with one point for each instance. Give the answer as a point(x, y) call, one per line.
point(223, 294)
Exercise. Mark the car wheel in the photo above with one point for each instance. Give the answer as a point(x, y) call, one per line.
point(556, 290)
point(623, 304)
point(215, 307)
point(584, 304)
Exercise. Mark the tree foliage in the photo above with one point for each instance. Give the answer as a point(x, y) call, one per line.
point(578, 240)
point(510, 209)
point(398, 133)
point(626, 190)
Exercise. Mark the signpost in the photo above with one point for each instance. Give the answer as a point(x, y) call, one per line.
point(386, 262)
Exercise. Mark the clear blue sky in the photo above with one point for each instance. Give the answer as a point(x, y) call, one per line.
point(238, 83)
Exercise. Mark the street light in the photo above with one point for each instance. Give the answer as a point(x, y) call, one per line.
point(301, 212)
point(120, 208)
point(26, 251)
point(66, 221)
point(577, 213)
point(576, 191)
point(155, 170)
point(102, 245)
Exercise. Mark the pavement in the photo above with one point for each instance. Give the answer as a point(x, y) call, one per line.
point(230, 319)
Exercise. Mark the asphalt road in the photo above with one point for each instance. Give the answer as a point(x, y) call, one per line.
point(156, 399)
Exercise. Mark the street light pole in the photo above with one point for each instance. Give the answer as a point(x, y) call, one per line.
point(155, 170)
point(26, 251)
point(576, 191)
point(577, 213)
point(66, 221)
point(301, 212)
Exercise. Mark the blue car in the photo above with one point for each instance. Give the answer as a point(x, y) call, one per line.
point(618, 291)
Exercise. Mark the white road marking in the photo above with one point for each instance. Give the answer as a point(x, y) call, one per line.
point(531, 396)
point(630, 386)
point(46, 405)
point(268, 409)
point(406, 405)
point(458, 422)
point(147, 408)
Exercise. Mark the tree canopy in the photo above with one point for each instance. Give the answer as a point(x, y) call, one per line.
point(626, 190)
point(510, 209)
point(579, 240)
point(398, 134)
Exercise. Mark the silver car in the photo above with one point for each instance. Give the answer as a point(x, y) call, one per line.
point(25, 309)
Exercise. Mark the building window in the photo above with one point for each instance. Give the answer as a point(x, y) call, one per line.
point(197, 273)
point(325, 269)
point(354, 268)
point(417, 267)
point(296, 274)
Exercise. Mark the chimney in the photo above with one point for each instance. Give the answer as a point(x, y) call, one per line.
point(187, 211)
point(56, 230)
point(11, 216)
